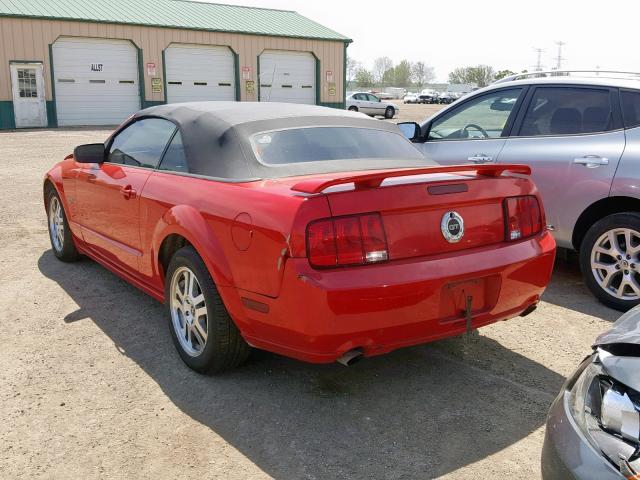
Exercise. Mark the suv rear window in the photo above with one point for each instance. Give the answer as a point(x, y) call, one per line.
point(567, 111)
point(315, 144)
point(630, 108)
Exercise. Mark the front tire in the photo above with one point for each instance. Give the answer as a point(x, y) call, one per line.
point(353, 108)
point(389, 112)
point(610, 260)
point(204, 334)
point(60, 234)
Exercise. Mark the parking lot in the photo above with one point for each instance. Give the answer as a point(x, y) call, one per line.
point(91, 385)
point(414, 112)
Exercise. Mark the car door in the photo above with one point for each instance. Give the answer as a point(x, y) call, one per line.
point(473, 131)
point(362, 102)
point(357, 100)
point(108, 193)
point(375, 105)
point(572, 138)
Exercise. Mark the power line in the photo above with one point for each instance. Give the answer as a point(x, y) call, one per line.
point(538, 66)
point(559, 58)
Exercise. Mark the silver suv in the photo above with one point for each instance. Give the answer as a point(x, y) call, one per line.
point(580, 133)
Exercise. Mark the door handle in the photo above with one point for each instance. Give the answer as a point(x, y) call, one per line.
point(480, 158)
point(591, 161)
point(128, 192)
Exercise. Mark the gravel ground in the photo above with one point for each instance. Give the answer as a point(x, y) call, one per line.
point(91, 387)
point(414, 112)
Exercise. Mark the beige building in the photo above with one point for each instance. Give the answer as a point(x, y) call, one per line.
point(88, 62)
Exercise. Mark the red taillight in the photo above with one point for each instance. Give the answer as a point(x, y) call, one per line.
point(321, 243)
point(523, 217)
point(349, 240)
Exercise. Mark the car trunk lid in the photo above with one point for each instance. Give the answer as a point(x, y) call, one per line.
point(424, 211)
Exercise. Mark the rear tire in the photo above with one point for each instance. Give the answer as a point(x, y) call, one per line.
point(610, 260)
point(353, 108)
point(60, 234)
point(389, 112)
point(204, 334)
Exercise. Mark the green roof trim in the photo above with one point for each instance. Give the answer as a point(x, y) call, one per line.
point(192, 15)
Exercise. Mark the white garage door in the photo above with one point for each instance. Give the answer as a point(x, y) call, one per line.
point(287, 77)
point(96, 81)
point(198, 72)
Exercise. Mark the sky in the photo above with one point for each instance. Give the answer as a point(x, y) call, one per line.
point(497, 33)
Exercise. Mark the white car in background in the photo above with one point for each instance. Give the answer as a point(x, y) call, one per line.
point(383, 95)
point(371, 105)
point(411, 98)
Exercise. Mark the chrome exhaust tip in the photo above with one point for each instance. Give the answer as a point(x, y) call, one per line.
point(350, 357)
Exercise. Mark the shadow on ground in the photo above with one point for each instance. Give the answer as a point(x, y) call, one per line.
point(416, 413)
point(568, 290)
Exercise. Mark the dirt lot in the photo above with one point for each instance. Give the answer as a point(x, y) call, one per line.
point(91, 387)
point(413, 112)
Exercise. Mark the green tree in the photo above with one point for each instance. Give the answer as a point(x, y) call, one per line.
point(363, 77)
point(402, 74)
point(388, 78)
point(480, 75)
point(502, 74)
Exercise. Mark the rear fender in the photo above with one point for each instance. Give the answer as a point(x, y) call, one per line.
point(188, 222)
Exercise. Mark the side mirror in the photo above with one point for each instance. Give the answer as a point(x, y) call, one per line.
point(89, 153)
point(411, 130)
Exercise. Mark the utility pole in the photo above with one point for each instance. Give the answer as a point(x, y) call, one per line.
point(538, 65)
point(559, 58)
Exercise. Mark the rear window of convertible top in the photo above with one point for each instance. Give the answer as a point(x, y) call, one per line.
point(316, 144)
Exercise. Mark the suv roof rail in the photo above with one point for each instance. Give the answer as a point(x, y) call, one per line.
point(570, 73)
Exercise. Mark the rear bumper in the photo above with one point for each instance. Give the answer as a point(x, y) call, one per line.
point(321, 314)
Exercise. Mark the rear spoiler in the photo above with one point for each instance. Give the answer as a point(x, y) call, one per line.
point(374, 180)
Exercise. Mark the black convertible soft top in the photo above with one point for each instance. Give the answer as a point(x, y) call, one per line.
point(216, 137)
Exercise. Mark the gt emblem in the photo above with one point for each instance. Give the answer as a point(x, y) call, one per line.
point(452, 227)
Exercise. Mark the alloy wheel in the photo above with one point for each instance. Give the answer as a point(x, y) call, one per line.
point(189, 311)
point(615, 263)
point(56, 223)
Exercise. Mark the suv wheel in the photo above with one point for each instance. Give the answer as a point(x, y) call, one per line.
point(610, 260)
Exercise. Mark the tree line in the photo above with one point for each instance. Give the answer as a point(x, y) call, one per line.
point(407, 74)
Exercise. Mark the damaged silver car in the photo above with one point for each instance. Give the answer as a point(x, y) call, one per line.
point(593, 427)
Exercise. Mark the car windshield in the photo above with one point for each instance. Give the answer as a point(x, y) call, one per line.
point(316, 144)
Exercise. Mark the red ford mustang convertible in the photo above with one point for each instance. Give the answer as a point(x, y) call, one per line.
point(311, 232)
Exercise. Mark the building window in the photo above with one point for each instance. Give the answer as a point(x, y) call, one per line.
point(27, 83)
